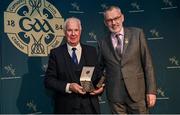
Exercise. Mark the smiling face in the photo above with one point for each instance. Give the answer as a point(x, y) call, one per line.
point(73, 31)
point(113, 19)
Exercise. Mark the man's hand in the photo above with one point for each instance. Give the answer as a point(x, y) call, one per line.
point(151, 100)
point(98, 91)
point(76, 88)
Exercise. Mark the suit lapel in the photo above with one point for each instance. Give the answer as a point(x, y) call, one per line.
point(83, 54)
point(69, 64)
point(109, 41)
point(126, 41)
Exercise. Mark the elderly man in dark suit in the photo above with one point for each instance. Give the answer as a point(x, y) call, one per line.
point(64, 69)
point(125, 56)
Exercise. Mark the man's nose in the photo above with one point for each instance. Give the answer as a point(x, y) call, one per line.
point(113, 21)
point(73, 32)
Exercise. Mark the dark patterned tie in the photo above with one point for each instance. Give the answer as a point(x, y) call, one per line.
point(118, 47)
point(74, 57)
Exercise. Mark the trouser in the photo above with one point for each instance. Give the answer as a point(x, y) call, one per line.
point(129, 107)
point(86, 107)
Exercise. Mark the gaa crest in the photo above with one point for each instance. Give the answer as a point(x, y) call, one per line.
point(33, 26)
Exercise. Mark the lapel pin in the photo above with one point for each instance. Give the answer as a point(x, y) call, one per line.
point(126, 41)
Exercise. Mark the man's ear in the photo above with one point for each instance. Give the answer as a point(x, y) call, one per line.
point(122, 18)
point(105, 23)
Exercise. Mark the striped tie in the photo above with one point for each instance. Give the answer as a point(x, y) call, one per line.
point(118, 47)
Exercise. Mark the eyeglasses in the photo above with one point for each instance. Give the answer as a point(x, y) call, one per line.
point(114, 19)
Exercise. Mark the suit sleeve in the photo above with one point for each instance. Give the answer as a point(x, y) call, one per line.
point(51, 78)
point(147, 64)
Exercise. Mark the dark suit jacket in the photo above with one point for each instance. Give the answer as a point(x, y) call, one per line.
point(60, 72)
point(135, 66)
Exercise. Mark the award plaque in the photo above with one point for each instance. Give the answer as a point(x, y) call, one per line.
point(85, 78)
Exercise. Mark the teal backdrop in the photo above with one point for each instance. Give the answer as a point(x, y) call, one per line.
point(23, 57)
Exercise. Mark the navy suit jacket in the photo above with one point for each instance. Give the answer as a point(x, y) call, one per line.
point(60, 71)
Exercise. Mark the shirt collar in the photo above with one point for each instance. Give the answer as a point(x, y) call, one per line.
point(120, 33)
point(78, 47)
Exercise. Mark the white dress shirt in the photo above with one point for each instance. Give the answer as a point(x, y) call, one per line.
point(78, 51)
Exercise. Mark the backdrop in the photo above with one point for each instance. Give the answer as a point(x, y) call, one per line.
point(29, 29)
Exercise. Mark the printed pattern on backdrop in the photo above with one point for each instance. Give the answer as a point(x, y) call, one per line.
point(31, 28)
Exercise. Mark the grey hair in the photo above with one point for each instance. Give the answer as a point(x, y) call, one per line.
point(69, 19)
point(111, 8)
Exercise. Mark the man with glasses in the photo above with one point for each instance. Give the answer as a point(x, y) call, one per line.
point(126, 59)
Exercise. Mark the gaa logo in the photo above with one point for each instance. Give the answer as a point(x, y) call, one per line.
point(33, 26)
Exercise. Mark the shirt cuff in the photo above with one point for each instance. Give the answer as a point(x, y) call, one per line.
point(67, 88)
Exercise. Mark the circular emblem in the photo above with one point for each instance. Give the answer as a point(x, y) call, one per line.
point(33, 26)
